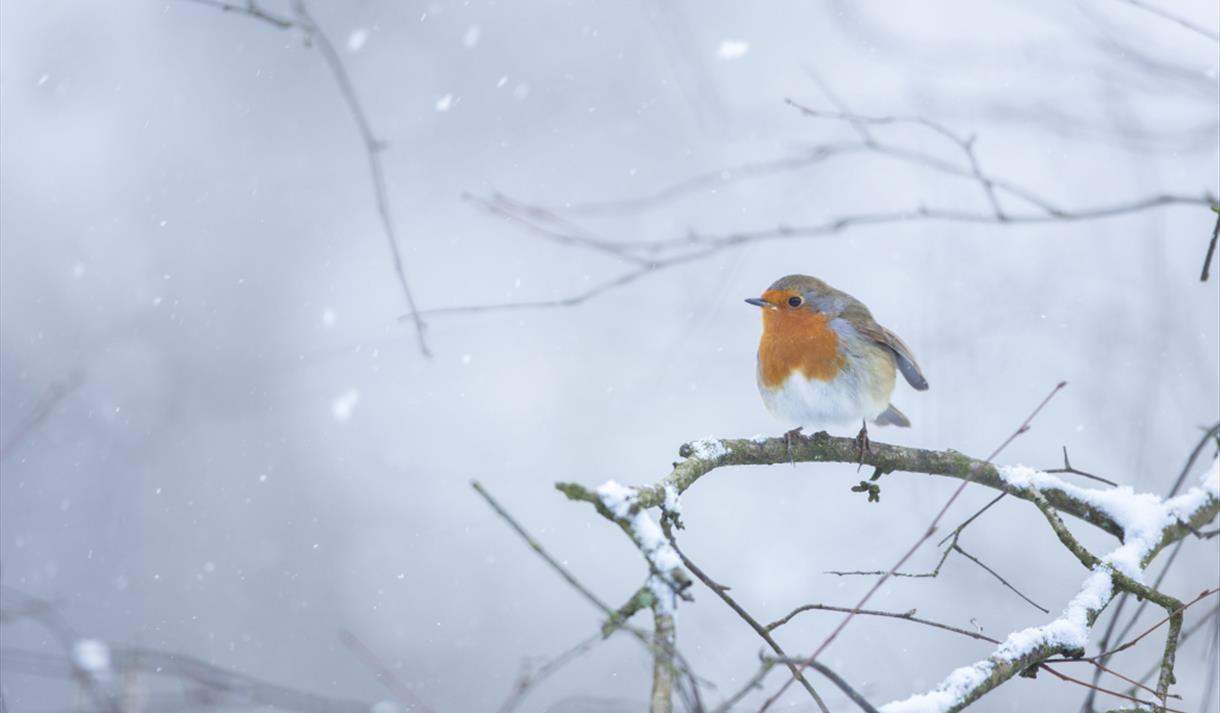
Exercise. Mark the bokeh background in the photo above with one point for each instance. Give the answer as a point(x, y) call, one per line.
point(249, 454)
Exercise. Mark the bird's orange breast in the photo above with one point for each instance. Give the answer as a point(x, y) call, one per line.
point(797, 340)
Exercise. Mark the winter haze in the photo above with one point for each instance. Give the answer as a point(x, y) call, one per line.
point(223, 441)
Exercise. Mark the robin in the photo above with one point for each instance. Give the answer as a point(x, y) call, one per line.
point(824, 359)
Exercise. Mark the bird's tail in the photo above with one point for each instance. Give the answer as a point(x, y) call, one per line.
point(892, 417)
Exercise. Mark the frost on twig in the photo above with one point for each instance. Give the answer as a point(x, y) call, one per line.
point(1148, 523)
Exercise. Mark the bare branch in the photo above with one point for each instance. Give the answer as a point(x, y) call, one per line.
point(905, 616)
point(755, 682)
point(954, 546)
point(546, 557)
point(974, 472)
point(1003, 581)
point(373, 146)
point(1211, 248)
point(695, 246)
point(1067, 468)
point(251, 9)
point(1175, 19)
point(382, 673)
point(763, 632)
point(1209, 436)
point(529, 679)
point(1176, 612)
point(225, 685)
point(613, 618)
point(38, 415)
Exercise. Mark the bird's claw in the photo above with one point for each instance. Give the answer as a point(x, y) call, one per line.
point(863, 443)
point(789, 437)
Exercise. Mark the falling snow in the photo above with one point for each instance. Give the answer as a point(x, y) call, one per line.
point(344, 404)
point(732, 49)
point(356, 40)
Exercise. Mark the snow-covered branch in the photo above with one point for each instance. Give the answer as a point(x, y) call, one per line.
point(1148, 523)
point(1143, 523)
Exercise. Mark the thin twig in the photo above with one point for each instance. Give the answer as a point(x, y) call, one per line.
point(54, 623)
point(541, 552)
point(755, 682)
point(55, 393)
point(694, 247)
point(904, 616)
point(1069, 469)
point(1128, 644)
point(850, 692)
point(1177, 20)
point(252, 9)
point(763, 632)
point(1109, 691)
point(1211, 248)
point(611, 615)
point(373, 146)
point(529, 679)
point(954, 546)
point(910, 616)
point(1209, 436)
point(1003, 581)
point(1025, 425)
point(1109, 634)
point(1186, 634)
point(382, 673)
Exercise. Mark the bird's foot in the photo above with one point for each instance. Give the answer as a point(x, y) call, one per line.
point(789, 437)
point(863, 443)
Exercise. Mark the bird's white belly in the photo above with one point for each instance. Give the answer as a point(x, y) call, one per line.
point(813, 403)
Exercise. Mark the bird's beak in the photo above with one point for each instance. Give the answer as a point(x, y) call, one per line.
point(760, 303)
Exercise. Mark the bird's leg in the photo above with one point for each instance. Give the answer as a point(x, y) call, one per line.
point(862, 442)
point(788, 438)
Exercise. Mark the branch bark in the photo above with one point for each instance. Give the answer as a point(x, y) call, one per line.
point(704, 456)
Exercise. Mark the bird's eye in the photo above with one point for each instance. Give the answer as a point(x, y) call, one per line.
point(794, 301)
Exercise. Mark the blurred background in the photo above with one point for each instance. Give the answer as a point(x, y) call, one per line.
point(221, 441)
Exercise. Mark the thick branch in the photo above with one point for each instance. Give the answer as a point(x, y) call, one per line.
point(702, 457)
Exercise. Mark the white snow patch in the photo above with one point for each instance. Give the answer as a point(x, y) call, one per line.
point(91, 656)
point(471, 38)
point(707, 449)
point(444, 103)
point(671, 500)
point(328, 317)
point(947, 694)
point(1142, 516)
point(621, 500)
point(356, 40)
point(617, 498)
point(1211, 479)
point(1071, 629)
point(732, 49)
point(344, 404)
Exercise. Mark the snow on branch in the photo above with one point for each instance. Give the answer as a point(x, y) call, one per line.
point(1143, 523)
point(1147, 522)
point(667, 581)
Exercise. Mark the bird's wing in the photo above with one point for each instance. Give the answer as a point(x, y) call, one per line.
point(902, 353)
point(906, 360)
